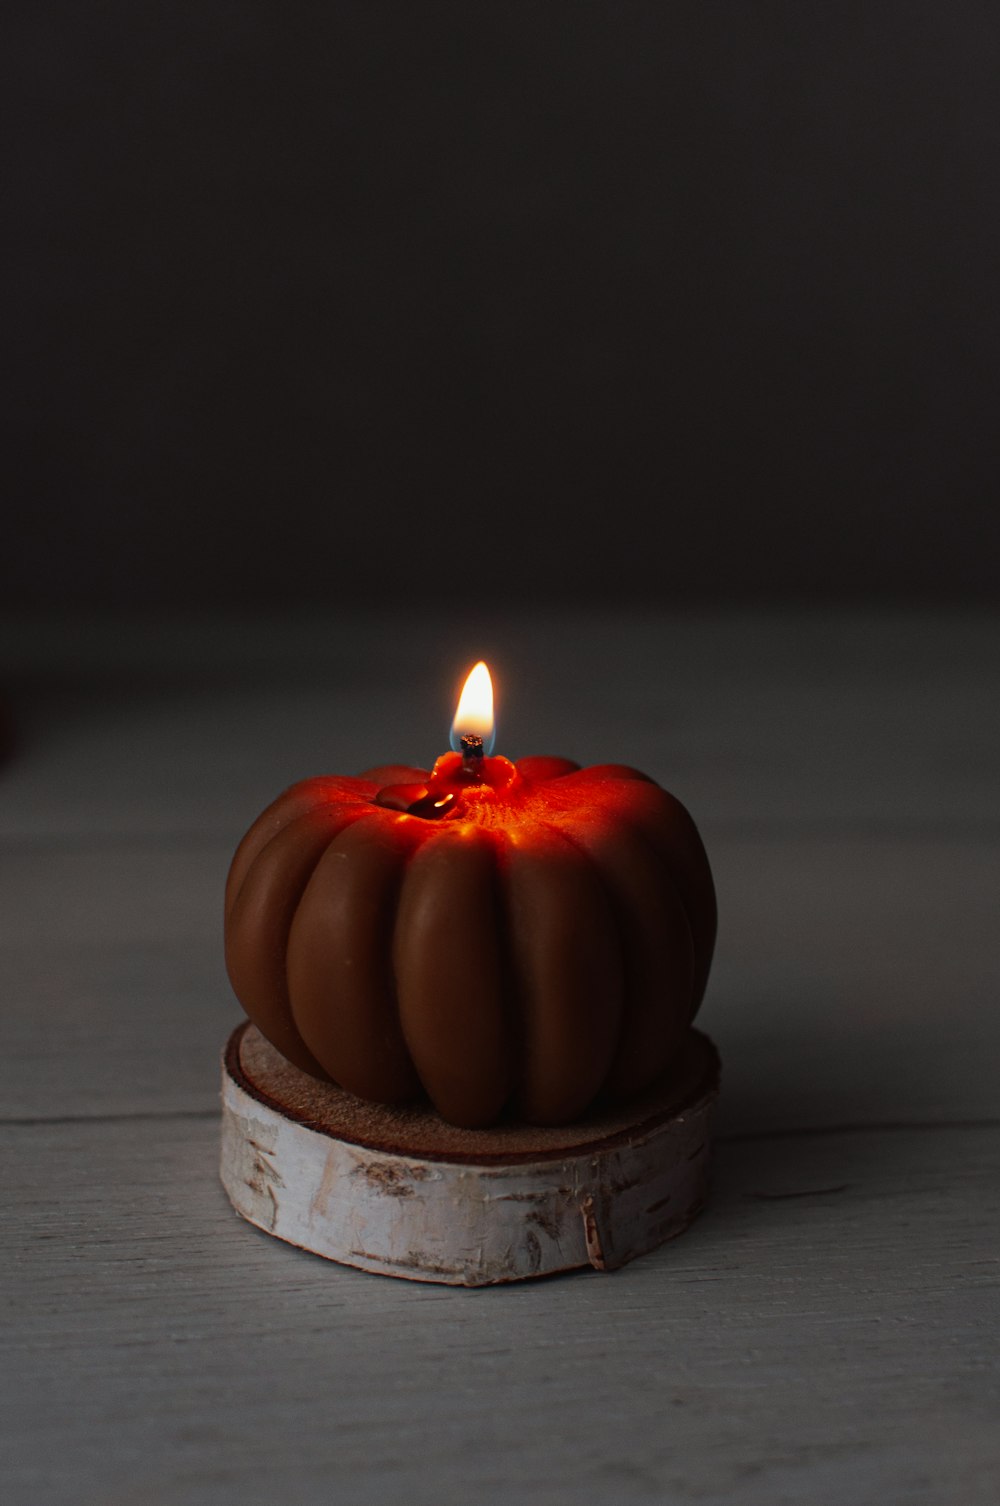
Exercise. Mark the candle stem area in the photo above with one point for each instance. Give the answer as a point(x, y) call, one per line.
point(456, 777)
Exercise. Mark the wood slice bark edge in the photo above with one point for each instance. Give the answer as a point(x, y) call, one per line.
point(400, 1193)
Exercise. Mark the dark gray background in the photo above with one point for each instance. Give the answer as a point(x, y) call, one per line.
point(321, 302)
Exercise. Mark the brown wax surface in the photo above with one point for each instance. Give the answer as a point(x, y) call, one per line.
point(538, 947)
point(418, 1131)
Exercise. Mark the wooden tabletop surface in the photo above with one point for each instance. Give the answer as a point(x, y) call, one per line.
point(827, 1331)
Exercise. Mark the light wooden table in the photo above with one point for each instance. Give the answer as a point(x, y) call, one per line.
point(826, 1333)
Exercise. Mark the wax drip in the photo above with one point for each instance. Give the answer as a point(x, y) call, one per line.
point(416, 800)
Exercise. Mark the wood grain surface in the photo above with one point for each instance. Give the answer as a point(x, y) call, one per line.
point(826, 1332)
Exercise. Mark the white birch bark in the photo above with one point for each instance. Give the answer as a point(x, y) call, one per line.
point(600, 1202)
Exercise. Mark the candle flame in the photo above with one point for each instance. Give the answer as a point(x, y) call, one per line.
point(474, 717)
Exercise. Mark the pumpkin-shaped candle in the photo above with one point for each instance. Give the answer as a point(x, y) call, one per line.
point(525, 939)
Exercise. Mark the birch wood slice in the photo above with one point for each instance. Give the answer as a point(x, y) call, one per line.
point(402, 1193)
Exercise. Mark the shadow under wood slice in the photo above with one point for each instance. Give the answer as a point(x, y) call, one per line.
point(401, 1193)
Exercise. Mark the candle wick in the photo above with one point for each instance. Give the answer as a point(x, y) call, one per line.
point(472, 753)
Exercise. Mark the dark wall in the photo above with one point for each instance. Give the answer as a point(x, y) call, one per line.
point(320, 300)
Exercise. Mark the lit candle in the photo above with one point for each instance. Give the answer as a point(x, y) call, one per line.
point(524, 939)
